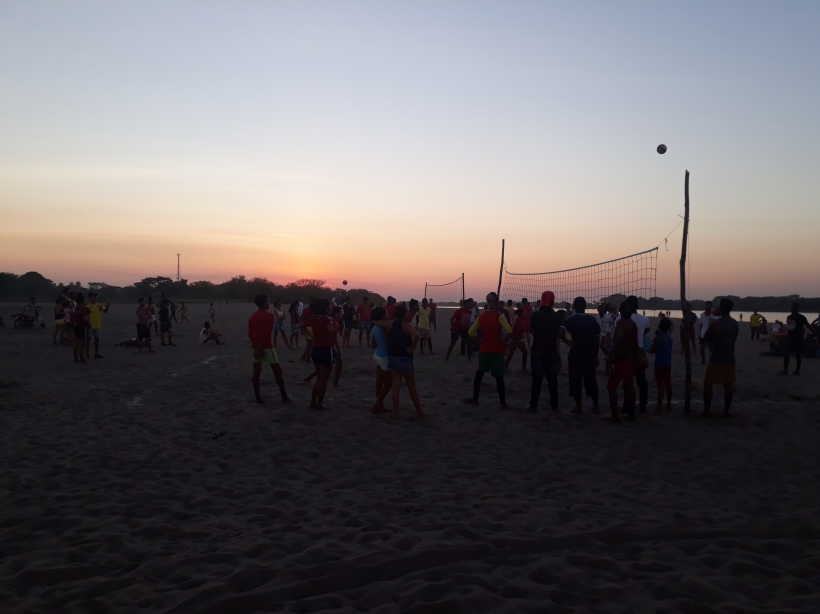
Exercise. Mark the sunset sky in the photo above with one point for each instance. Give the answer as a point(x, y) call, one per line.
point(393, 143)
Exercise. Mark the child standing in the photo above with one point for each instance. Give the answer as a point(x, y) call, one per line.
point(662, 349)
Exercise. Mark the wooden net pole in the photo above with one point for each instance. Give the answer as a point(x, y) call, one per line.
point(685, 308)
point(501, 271)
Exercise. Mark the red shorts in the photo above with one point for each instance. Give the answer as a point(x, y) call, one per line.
point(663, 375)
point(622, 371)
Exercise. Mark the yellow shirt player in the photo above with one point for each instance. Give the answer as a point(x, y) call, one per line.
point(423, 326)
point(95, 320)
point(755, 320)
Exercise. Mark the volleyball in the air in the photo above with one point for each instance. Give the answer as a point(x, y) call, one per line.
point(344, 282)
point(661, 148)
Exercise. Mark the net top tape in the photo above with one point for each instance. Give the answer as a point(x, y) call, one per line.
point(589, 266)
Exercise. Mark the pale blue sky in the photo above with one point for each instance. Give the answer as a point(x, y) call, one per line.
point(351, 138)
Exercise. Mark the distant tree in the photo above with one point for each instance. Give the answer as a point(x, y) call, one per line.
point(316, 283)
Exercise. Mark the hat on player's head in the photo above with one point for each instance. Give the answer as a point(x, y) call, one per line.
point(547, 299)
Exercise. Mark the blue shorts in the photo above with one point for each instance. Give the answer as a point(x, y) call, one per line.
point(365, 327)
point(400, 364)
point(278, 326)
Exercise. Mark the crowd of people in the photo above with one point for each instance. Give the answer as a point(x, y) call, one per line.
point(619, 335)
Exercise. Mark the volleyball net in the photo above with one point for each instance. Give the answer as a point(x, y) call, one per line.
point(451, 292)
point(612, 280)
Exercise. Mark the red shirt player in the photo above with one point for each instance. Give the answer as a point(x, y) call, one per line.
point(390, 307)
point(365, 323)
point(492, 324)
point(433, 308)
point(260, 333)
point(459, 325)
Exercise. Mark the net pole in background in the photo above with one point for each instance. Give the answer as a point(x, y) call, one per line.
point(687, 354)
point(501, 270)
point(451, 292)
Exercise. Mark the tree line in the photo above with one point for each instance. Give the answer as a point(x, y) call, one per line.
point(19, 288)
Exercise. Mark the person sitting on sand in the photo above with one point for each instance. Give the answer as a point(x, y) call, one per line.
point(402, 340)
point(208, 334)
point(491, 351)
point(721, 336)
point(325, 340)
point(662, 349)
point(583, 353)
point(260, 333)
point(622, 361)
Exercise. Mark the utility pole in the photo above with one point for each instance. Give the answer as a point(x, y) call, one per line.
point(177, 267)
point(684, 305)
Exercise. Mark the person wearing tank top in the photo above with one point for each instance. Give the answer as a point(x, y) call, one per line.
point(491, 352)
point(721, 336)
point(381, 357)
point(402, 340)
point(622, 361)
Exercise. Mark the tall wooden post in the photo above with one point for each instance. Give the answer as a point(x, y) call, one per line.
point(684, 305)
point(501, 272)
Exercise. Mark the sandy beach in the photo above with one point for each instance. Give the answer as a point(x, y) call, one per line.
point(117, 498)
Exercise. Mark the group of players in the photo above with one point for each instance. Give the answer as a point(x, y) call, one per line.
point(395, 331)
point(497, 332)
